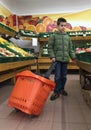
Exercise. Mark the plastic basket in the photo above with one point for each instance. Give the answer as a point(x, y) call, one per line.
point(30, 92)
point(85, 57)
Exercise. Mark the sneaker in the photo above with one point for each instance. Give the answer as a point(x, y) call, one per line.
point(63, 92)
point(54, 96)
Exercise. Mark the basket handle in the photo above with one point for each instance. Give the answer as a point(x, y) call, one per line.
point(49, 71)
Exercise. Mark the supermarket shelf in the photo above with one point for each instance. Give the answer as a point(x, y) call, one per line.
point(44, 63)
point(81, 38)
point(44, 60)
point(43, 39)
point(84, 65)
point(75, 38)
point(72, 66)
point(12, 73)
point(13, 65)
point(84, 69)
point(6, 30)
point(9, 70)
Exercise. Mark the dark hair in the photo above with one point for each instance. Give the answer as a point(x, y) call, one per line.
point(61, 20)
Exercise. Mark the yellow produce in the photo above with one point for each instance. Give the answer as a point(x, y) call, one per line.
point(13, 47)
point(2, 40)
point(19, 50)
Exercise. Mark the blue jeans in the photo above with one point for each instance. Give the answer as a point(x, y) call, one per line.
point(60, 76)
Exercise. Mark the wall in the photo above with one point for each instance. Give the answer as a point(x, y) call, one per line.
point(4, 11)
point(7, 18)
point(45, 23)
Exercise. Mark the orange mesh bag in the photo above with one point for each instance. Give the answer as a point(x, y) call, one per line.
point(30, 92)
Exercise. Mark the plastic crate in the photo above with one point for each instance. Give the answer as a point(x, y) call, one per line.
point(47, 34)
point(45, 55)
point(29, 50)
point(27, 58)
point(85, 57)
point(4, 29)
point(30, 92)
point(9, 59)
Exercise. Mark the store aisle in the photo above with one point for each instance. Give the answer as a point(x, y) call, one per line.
point(65, 113)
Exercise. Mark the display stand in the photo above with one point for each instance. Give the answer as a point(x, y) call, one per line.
point(10, 69)
point(7, 30)
point(85, 80)
point(44, 62)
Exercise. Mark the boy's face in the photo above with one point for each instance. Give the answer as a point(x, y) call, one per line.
point(62, 26)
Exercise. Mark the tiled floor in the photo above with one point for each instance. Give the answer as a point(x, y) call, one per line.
point(65, 113)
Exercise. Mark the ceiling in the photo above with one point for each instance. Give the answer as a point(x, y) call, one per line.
point(27, 7)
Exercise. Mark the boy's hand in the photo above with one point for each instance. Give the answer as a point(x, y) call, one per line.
point(74, 61)
point(53, 59)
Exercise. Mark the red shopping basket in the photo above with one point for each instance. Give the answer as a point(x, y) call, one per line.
point(30, 92)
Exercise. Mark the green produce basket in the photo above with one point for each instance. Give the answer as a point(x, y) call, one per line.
point(9, 59)
point(7, 30)
point(85, 57)
point(13, 59)
point(45, 55)
point(47, 34)
point(27, 33)
point(29, 50)
point(79, 33)
point(27, 58)
point(6, 59)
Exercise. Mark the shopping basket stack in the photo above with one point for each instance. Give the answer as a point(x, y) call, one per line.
point(30, 92)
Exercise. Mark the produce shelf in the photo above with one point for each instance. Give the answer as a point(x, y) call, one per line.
point(84, 65)
point(27, 33)
point(7, 30)
point(10, 69)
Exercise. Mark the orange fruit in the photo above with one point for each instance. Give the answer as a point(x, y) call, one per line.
point(76, 28)
point(67, 29)
point(54, 29)
point(20, 26)
point(15, 28)
point(47, 21)
point(31, 27)
point(26, 24)
point(89, 28)
point(40, 27)
point(88, 49)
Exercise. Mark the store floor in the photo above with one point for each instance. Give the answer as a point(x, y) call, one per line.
point(65, 113)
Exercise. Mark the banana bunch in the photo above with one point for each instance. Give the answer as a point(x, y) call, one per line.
point(2, 40)
point(19, 50)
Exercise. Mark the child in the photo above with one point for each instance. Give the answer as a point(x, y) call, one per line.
point(60, 49)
